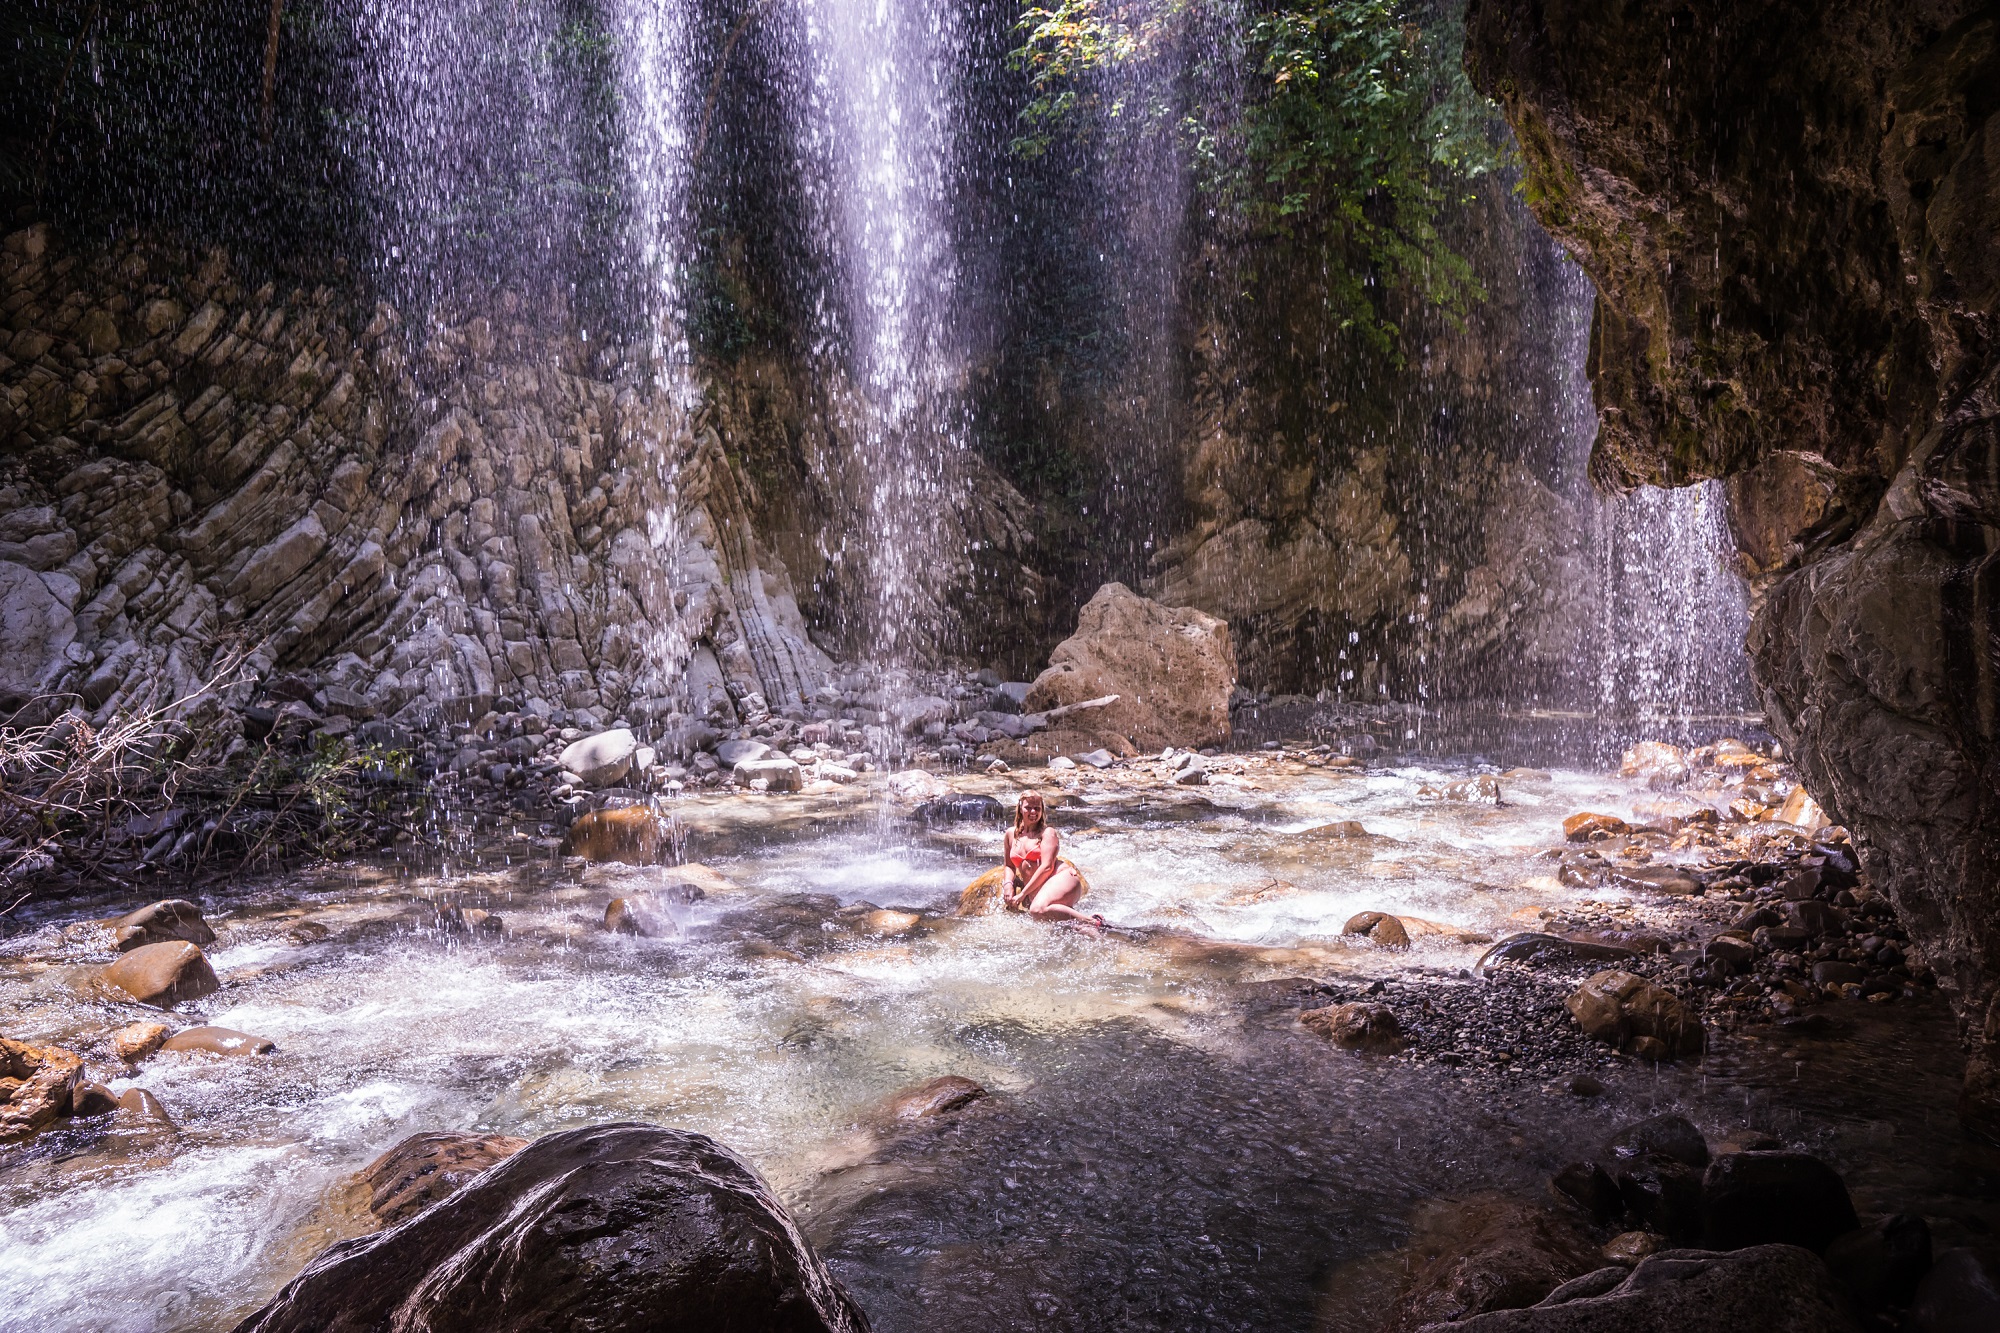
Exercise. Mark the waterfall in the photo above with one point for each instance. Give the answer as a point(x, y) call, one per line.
point(878, 119)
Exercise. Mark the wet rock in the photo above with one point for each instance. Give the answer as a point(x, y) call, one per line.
point(616, 1228)
point(1192, 775)
point(1624, 1009)
point(632, 834)
point(602, 760)
point(163, 975)
point(37, 1086)
point(653, 913)
point(888, 921)
point(1172, 668)
point(1591, 1188)
point(984, 894)
point(1487, 1254)
point(1773, 1198)
point(1583, 1085)
point(1802, 810)
point(162, 922)
point(1731, 950)
point(1670, 880)
point(1660, 764)
point(1960, 1294)
point(425, 1168)
point(1483, 789)
point(1881, 1264)
point(935, 1098)
point(136, 1041)
point(776, 772)
point(1663, 1194)
point(731, 753)
point(1378, 928)
point(1629, 1247)
point(1357, 1026)
point(1096, 758)
point(1666, 1135)
point(1771, 1289)
point(139, 1105)
point(959, 810)
point(1580, 827)
point(92, 1099)
point(1533, 948)
point(218, 1041)
point(1835, 973)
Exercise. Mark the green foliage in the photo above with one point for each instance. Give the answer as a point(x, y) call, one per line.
point(1342, 125)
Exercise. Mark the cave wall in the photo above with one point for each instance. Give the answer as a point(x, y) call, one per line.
point(1790, 211)
point(195, 471)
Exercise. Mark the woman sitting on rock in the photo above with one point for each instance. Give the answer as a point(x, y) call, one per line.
point(1037, 876)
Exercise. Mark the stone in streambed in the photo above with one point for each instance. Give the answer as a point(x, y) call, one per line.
point(889, 921)
point(1633, 1014)
point(776, 772)
point(630, 834)
point(1666, 1135)
point(602, 760)
point(959, 810)
point(1534, 948)
point(163, 975)
point(1768, 1289)
point(1378, 928)
point(1773, 1198)
point(1960, 1294)
point(1662, 1193)
point(37, 1086)
point(987, 893)
point(1591, 1188)
point(1881, 1264)
point(1578, 828)
point(161, 923)
point(654, 913)
point(616, 1228)
point(1172, 668)
point(90, 1100)
point(218, 1041)
point(1629, 1247)
point(142, 1106)
point(136, 1041)
point(1356, 1027)
point(1487, 1253)
point(425, 1168)
point(731, 753)
point(935, 1098)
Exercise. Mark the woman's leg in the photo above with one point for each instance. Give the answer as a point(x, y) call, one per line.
point(1056, 899)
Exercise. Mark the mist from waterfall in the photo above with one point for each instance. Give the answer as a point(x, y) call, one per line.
point(877, 123)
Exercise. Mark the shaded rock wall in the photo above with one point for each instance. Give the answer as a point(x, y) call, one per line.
point(1789, 210)
point(192, 472)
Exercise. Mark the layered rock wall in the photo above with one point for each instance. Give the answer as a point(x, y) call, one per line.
point(195, 473)
point(1789, 211)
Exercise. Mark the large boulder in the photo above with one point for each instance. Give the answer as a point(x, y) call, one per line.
point(160, 923)
point(616, 1229)
point(1769, 1288)
point(1635, 1015)
point(1765, 1198)
point(1172, 668)
point(1486, 1253)
point(425, 1168)
point(602, 760)
point(163, 974)
point(631, 834)
point(37, 1085)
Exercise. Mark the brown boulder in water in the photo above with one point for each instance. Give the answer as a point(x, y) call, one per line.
point(136, 1041)
point(1358, 1027)
point(425, 1168)
point(160, 923)
point(987, 893)
point(1579, 827)
point(1379, 928)
point(163, 975)
point(632, 834)
point(219, 1041)
point(618, 1228)
point(1635, 1015)
point(37, 1085)
point(936, 1097)
point(1172, 668)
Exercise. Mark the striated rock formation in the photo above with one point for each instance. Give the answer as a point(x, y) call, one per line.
point(195, 472)
point(1789, 212)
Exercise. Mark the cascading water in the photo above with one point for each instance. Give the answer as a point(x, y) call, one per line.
point(879, 110)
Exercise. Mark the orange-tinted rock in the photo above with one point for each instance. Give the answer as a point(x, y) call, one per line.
point(163, 975)
point(1380, 928)
point(1578, 828)
point(985, 894)
point(218, 1041)
point(1358, 1027)
point(138, 1104)
point(887, 921)
point(632, 834)
point(425, 1168)
point(38, 1084)
point(136, 1041)
point(1636, 1015)
point(162, 922)
point(936, 1097)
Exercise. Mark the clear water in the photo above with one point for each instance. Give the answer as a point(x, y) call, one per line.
point(1164, 1149)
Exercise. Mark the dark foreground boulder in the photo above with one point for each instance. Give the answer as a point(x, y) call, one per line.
point(1771, 1289)
point(614, 1229)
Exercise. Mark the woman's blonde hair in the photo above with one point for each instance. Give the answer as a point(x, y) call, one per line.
point(1020, 806)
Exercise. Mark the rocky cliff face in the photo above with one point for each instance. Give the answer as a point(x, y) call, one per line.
point(195, 473)
point(1789, 211)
